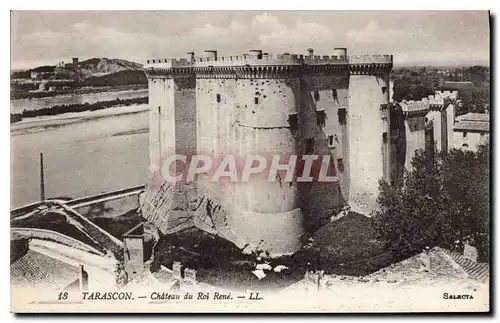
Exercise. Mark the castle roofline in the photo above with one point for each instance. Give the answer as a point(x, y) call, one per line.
point(257, 58)
point(438, 100)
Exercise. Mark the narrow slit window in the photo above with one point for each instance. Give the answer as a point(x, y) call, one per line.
point(334, 94)
point(340, 165)
point(218, 98)
point(309, 146)
point(330, 140)
point(256, 100)
point(293, 120)
point(464, 134)
point(316, 95)
point(342, 116)
point(384, 137)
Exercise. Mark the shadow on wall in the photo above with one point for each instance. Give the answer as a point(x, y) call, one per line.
point(398, 142)
point(318, 201)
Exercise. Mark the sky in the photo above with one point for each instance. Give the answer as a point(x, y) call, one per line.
point(413, 37)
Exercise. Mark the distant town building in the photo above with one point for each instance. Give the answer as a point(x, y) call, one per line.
point(36, 75)
point(471, 130)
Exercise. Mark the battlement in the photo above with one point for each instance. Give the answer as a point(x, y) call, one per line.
point(438, 99)
point(247, 59)
point(325, 59)
point(415, 106)
point(258, 58)
point(369, 59)
point(452, 95)
point(167, 63)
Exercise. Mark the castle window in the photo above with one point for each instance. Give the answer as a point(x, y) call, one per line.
point(320, 117)
point(342, 116)
point(464, 134)
point(293, 120)
point(309, 146)
point(340, 165)
point(330, 141)
point(256, 100)
point(316, 95)
point(334, 94)
point(384, 89)
point(218, 98)
point(384, 137)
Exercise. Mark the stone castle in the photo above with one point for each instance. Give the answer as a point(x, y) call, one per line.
point(286, 104)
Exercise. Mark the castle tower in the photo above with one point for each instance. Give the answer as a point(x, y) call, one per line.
point(276, 107)
point(415, 124)
point(249, 105)
point(172, 109)
point(368, 124)
point(324, 96)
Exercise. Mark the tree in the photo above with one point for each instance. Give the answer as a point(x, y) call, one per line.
point(443, 201)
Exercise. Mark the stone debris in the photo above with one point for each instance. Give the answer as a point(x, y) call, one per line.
point(279, 268)
point(345, 211)
point(263, 267)
point(259, 273)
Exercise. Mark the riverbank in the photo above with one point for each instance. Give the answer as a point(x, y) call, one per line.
point(72, 91)
point(60, 109)
point(41, 123)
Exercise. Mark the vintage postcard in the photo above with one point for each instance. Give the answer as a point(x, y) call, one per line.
point(250, 161)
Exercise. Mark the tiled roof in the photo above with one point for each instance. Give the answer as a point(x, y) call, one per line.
point(472, 126)
point(35, 270)
point(484, 117)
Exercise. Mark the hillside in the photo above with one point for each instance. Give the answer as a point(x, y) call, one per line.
point(103, 66)
point(119, 78)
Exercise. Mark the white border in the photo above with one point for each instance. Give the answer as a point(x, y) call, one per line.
point(212, 5)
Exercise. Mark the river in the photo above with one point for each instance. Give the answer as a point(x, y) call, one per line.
point(84, 153)
point(17, 106)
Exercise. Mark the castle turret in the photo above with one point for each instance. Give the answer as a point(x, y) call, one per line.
point(415, 124)
point(249, 105)
point(368, 128)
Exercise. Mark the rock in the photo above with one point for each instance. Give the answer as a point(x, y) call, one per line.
point(279, 268)
point(248, 250)
point(263, 267)
point(259, 274)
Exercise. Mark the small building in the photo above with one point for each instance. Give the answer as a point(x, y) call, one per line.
point(470, 130)
point(36, 75)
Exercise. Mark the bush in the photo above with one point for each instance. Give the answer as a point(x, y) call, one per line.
point(443, 201)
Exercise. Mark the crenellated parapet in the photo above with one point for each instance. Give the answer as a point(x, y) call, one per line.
point(370, 64)
point(168, 68)
point(257, 64)
point(411, 107)
point(438, 101)
point(249, 66)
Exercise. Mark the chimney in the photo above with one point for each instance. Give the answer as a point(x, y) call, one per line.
point(139, 248)
point(340, 52)
point(211, 54)
point(256, 53)
point(84, 279)
point(191, 56)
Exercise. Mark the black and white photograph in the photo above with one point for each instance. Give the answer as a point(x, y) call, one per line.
point(213, 161)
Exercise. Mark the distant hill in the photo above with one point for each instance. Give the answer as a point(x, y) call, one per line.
point(104, 66)
point(88, 68)
point(123, 77)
